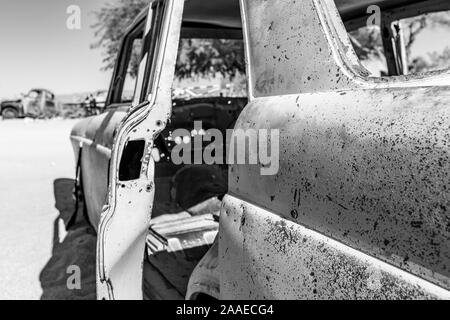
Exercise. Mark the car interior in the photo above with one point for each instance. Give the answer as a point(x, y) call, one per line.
point(188, 197)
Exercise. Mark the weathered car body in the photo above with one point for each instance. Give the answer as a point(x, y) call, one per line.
point(359, 206)
point(38, 102)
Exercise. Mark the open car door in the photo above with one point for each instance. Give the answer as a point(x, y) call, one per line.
point(126, 216)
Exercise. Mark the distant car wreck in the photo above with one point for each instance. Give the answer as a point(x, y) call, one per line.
point(36, 103)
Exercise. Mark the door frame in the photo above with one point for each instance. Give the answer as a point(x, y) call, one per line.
point(121, 240)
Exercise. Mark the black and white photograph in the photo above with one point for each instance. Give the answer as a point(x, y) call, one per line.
point(226, 154)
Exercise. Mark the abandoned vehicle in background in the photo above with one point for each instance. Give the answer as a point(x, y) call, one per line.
point(359, 208)
point(36, 103)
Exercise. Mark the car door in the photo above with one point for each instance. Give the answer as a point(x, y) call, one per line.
point(126, 215)
point(359, 206)
point(96, 134)
point(93, 138)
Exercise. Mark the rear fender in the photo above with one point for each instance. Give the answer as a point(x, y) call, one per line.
point(206, 278)
point(279, 259)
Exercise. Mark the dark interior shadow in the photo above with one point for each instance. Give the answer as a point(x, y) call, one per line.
point(74, 247)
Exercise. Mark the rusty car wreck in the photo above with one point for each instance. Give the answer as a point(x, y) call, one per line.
point(359, 206)
point(36, 103)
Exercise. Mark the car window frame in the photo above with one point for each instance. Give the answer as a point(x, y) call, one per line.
point(394, 15)
point(151, 28)
point(115, 91)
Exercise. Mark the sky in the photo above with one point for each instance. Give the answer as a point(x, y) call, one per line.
point(38, 50)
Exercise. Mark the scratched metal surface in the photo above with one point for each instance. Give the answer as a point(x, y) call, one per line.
point(370, 168)
point(363, 161)
point(279, 259)
point(288, 50)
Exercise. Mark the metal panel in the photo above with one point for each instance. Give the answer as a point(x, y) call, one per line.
point(363, 162)
point(279, 259)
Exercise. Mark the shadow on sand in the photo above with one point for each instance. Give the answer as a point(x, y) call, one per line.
point(75, 246)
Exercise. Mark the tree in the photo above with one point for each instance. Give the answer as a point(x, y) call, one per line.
point(435, 61)
point(112, 22)
point(414, 26)
point(205, 57)
point(208, 57)
point(368, 44)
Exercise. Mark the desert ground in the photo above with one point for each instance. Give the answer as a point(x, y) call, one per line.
point(37, 169)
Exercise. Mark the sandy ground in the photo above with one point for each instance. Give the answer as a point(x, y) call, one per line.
point(36, 172)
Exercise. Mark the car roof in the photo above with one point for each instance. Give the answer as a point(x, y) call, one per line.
point(41, 90)
point(226, 13)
